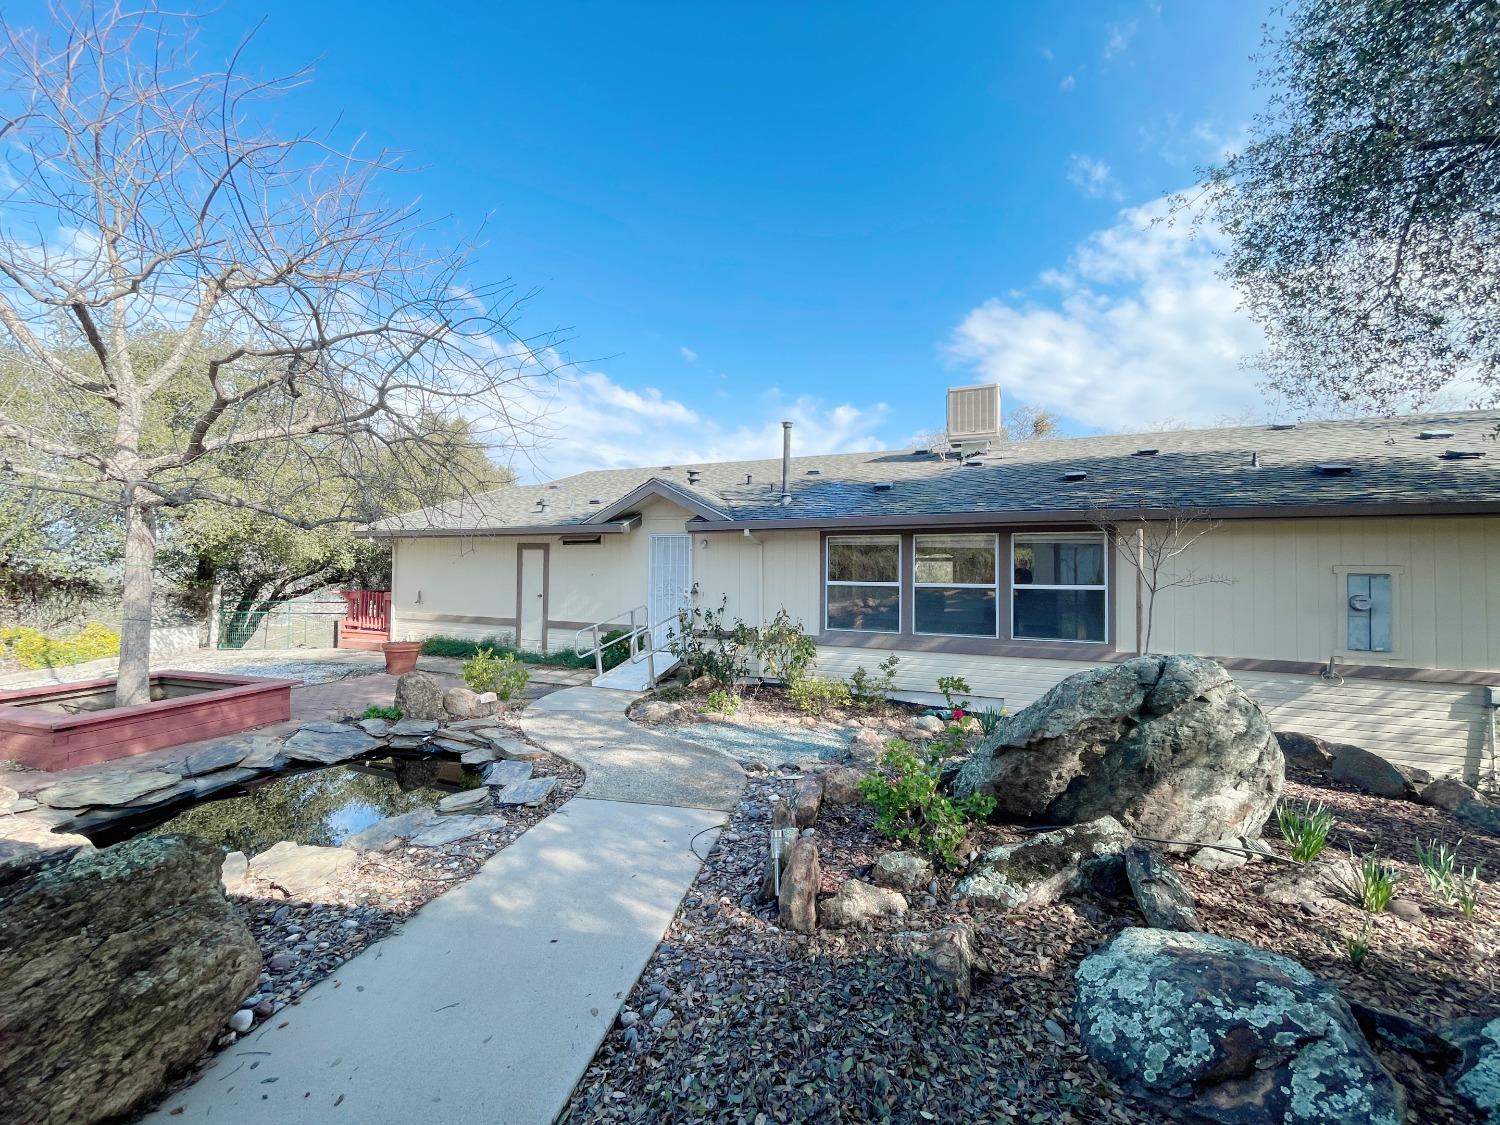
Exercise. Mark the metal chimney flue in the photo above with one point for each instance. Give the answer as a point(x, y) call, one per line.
point(786, 462)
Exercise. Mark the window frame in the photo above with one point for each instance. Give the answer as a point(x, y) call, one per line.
point(1104, 540)
point(1341, 648)
point(916, 584)
point(898, 584)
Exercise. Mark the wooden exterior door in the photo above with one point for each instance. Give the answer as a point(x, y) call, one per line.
point(531, 594)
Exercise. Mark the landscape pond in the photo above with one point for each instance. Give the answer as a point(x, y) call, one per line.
point(322, 807)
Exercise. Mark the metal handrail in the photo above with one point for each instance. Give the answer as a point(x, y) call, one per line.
point(632, 638)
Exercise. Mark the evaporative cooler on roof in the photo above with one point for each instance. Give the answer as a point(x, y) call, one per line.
point(973, 417)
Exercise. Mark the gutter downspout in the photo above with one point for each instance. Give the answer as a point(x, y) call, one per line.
point(786, 463)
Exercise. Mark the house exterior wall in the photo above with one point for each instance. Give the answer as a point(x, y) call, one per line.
point(1284, 602)
point(1282, 605)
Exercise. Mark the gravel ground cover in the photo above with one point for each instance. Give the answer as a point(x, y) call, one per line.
point(737, 1020)
point(303, 942)
point(771, 744)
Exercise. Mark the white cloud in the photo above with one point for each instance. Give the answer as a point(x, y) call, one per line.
point(1092, 177)
point(589, 421)
point(687, 353)
point(1120, 35)
point(1067, 84)
point(1135, 329)
point(1047, 53)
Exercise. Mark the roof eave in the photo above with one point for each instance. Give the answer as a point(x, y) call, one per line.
point(616, 527)
point(1076, 515)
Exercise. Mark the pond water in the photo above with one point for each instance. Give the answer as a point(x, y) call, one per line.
point(319, 806)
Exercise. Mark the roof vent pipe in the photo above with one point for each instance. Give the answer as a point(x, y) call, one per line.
point(786, 462)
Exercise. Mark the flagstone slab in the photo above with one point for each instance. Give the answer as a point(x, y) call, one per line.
point(449, 829)
point(501, 774)
point(532, 791)
point(220, 756)
point(111, 790)
point(328, 743)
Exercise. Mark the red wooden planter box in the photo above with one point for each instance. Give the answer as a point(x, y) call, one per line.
point(63, 726)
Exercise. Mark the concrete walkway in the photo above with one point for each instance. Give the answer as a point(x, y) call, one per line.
point(624, 761)
point(489, 1005)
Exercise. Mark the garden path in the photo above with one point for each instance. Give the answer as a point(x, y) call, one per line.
point(490, 1003)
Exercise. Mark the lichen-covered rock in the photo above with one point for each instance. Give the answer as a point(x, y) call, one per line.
point(801, 878)
point(1046, 866)
point(1360, 768)
point(901, 871)
point(1218, 1029)
point(418, 696)
point(1476, 1077)
point(1163, 897)
point(947, 954)
point(1168, 745)
point(119, 967)
point(856, 903)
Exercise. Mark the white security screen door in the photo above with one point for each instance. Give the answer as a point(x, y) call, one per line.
point(670, 581)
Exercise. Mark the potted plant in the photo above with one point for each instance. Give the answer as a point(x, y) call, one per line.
point(401, 656)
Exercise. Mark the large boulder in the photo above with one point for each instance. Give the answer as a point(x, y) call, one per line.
point(1219, 1030)
point(1479, 815)
point(120, 967)
point(1045, 867)
point(1476, 1077)
point(1167, 745)
point(465, 703)
point(418, 696)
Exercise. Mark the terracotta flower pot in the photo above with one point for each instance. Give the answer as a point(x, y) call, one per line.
point(401, 656)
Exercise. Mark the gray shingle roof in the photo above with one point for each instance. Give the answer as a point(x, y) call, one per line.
point(1242, 470)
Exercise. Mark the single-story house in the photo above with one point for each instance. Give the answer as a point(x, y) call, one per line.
point(1349, 575)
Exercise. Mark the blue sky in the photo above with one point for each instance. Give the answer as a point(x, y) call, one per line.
point(824, 211)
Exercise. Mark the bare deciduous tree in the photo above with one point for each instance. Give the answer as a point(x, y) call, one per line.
point(1152, 545)
point(315, 339)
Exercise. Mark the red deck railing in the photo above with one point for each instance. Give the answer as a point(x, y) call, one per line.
point(367, 616)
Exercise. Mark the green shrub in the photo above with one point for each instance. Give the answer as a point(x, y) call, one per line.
point(989, 720)
point(1438, 863)
point(374, 711)
point(707, 646)
point(503, 646)
point(910, 807)
point(722, 702)
point(1466, 890)
point(815, 696)
point(870, 691)
point(32, 648)
point(503, 675)
point(614, 655)
point(1357, 946)
point(1377, 883)
point(953, 688)
point(1305, 829)
point(784, 648)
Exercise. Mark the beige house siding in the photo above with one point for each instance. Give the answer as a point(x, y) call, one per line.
point(1284, 602)
point(1442, 728)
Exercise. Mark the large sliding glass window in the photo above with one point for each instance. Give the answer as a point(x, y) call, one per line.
point(864, 583)
point(1059, 587)
point(955, 585)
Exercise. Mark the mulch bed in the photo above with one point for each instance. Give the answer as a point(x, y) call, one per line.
point(302, 943)
point(768, 1025)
